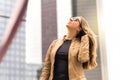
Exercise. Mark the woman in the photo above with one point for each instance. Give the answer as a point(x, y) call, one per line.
point(67, 58)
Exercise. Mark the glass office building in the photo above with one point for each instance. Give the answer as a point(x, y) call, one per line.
point(13, 66)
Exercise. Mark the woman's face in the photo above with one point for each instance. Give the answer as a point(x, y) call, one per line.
point(74, 23)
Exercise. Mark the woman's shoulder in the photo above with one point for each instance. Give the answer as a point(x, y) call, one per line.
point(55, 40)
point(84, 37)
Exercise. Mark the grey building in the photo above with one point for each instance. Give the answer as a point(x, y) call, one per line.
point(13, 66)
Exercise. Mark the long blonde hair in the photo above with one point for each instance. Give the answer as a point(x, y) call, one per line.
point(93, 45)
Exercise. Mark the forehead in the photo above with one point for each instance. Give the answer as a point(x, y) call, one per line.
point(77, 17)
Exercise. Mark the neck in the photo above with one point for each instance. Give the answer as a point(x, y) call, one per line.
point(71, 34)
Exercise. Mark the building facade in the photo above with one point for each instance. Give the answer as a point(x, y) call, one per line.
point(14, 66)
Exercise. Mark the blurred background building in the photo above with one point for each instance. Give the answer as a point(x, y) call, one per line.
point(14, 66)
point(54, 15)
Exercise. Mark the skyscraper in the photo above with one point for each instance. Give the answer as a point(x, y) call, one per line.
point(13, 66)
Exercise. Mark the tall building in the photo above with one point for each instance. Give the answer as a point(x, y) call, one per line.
point(14, 66)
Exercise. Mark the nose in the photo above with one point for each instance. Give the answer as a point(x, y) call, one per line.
point(71, 19)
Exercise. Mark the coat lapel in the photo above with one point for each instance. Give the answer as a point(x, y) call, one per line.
point(55, 48)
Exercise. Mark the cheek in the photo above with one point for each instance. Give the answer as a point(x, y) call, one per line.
point(76, 26)
point(71, 25)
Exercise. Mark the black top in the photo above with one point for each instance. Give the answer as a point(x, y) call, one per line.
point(61, 62)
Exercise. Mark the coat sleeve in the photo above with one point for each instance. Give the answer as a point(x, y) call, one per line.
point(83, 55)
point(47, 64)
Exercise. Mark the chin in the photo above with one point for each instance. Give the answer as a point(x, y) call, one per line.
point(67, 25)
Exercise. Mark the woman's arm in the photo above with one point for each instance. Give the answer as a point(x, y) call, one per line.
point(47, 64)
point(83, 55)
